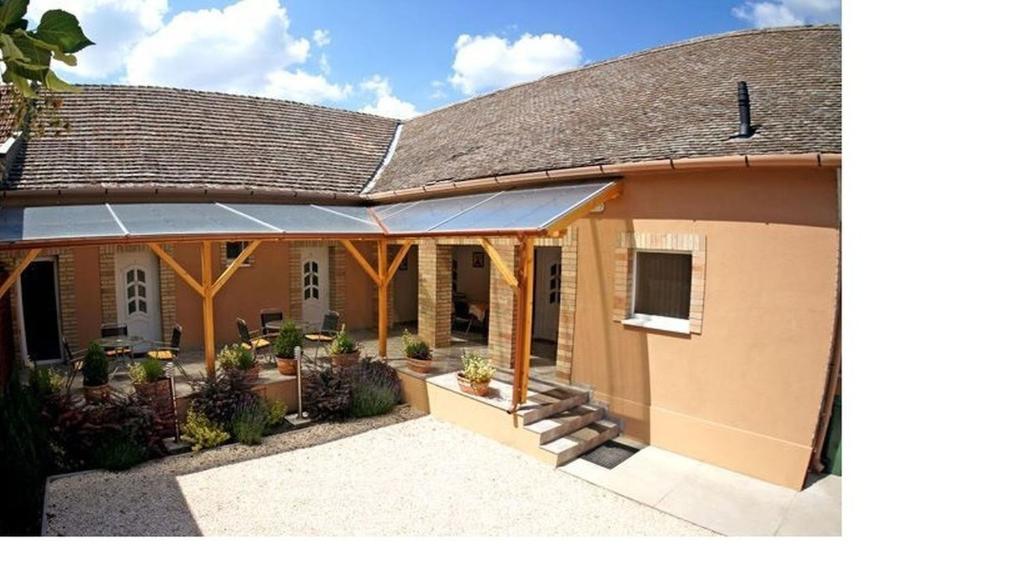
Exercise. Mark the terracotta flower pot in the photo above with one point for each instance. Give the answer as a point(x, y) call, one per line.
point(287, 366)
point(419, 365)
point(481, 388)
point(345, 359)
point(96, 393)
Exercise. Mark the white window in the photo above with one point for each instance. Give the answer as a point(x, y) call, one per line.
point(234, 249)
point(661, 290)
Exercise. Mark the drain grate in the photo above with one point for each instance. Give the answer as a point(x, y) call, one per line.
point(609, 454)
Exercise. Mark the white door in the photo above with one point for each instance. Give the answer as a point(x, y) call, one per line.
point(315, 283)
point(138, 293)
point(547, 293)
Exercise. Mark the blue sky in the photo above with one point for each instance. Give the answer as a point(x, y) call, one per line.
point(396, 58)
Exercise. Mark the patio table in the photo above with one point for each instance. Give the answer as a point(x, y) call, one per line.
point(124, 346)
point(303, 325)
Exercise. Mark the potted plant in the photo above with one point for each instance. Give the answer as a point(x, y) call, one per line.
point(284, 348)
point(343, 349)
point(95, 373)
point(417, 353)
point(146, 371)
point(476, 374)
point(234, 357)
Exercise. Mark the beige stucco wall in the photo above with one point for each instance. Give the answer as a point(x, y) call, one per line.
point(745, 393)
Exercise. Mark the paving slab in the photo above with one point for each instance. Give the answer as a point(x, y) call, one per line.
point(817, 510)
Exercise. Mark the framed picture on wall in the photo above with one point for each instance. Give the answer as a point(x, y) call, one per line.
point(478, 259)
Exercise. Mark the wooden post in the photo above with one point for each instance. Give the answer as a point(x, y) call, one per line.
point(524, 322)
point(382, 299)
point(209, 344)
point(16, 272)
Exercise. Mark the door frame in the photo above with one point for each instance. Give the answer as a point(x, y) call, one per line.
point(152, 284)
point(20, 312)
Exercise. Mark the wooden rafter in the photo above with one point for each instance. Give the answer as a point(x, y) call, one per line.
point(361, 261)
point(16, 272)
point(174, 265)
point(393, 268)
point(506, 272)
point(237, 263)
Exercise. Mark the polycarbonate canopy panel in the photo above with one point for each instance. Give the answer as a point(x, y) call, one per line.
point(185, 220)
point(50, 223)
point(311, 219)
point(530, 209)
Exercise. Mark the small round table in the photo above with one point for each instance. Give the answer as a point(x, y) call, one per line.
point(123, 347)
point(303, 325)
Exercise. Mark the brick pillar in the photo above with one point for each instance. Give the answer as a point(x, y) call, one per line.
point(500, 335)
point(168, 299)
point(68, 307)
point(108, 297)
point(339, 278)
point(435, 293)
point(567, 310)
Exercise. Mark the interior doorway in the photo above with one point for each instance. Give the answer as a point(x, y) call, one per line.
point(39, 305)
point(471, 292)
point(547, 301)
point(406, 288)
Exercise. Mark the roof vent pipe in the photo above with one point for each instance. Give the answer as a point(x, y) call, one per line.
point(743, 96)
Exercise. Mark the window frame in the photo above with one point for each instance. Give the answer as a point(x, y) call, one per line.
point(228, 260)
point(652, 321)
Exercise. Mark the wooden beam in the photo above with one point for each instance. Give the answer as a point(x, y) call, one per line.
point(237, 263)
point(16, 272)
point(209, 343)
point(361, 261)
point(393, 269)
point(167, 259)
point(524, 323)
point(382, 299)
point(503, 269)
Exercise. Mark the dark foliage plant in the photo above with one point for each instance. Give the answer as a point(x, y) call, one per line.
point(377, 373)
point(219, 399)
point(26, 458)
point(327, 393)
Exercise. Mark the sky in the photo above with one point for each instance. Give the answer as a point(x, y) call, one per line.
point(393, 58)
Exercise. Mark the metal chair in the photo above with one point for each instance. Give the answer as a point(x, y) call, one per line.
point(121, 356)
point(73, 361)
point(168, 351)
point(268, 315)
point(252, 341)
point(328, 329)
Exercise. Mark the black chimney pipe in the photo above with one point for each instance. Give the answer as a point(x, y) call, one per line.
point(744, 100)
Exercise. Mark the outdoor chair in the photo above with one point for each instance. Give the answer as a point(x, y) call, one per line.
point(73, 361)
point(328, 329)
point(168, 351)
point(268, 315)
point(113, 330)
point(253, 341)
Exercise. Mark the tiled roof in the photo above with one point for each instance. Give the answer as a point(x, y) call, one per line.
point(678, 101)
point(125, 138)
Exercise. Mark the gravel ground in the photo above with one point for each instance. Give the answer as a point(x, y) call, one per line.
point(419, 476)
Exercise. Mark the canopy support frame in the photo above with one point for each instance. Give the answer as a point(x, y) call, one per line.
point(18, 269)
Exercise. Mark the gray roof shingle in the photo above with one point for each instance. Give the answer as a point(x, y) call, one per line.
point(677, 101)
point(124, 138)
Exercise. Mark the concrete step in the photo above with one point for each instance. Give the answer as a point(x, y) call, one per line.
point(566, 422)
point(565, 449)
point(542, 405)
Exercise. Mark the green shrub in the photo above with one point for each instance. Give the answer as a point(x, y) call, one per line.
point(43, 382)
point(327, 393)
point(95, 366)
point(201, 432)
point(342, 343)
point(146, 371)
point(276, 410)
point(379, 373)
point(287, 340)
point(236, 357)
point(371, 400)
point(84, 433)
point(250, 421)
point(118, 452)
point(415, 347)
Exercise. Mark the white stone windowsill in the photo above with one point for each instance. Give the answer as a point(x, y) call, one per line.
point(658, 323)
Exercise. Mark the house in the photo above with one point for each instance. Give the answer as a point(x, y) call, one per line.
point(687, 263)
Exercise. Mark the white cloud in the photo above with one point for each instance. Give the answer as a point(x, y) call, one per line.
point(491, 62)
point(303, 87)
point(115, 25)
point(789, 12)
point(321, 38)
point(386, 104)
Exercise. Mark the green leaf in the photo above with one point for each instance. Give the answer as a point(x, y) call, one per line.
point(34, 51)
point(20, 84)
point(23, 39)
point(61, 29)
point(12, 11)
point(57, 85)
point(27, 71)
point(10, 48)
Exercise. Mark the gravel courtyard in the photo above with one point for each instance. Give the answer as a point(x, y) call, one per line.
point(407, 475)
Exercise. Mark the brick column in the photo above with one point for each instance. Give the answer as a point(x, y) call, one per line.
point(500, 336)
point(567, 310)
point(168, 299)
point(435, 293)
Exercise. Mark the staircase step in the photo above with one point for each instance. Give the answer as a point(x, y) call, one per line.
point(581, 441)
point(545, 404)
point(566, 422)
